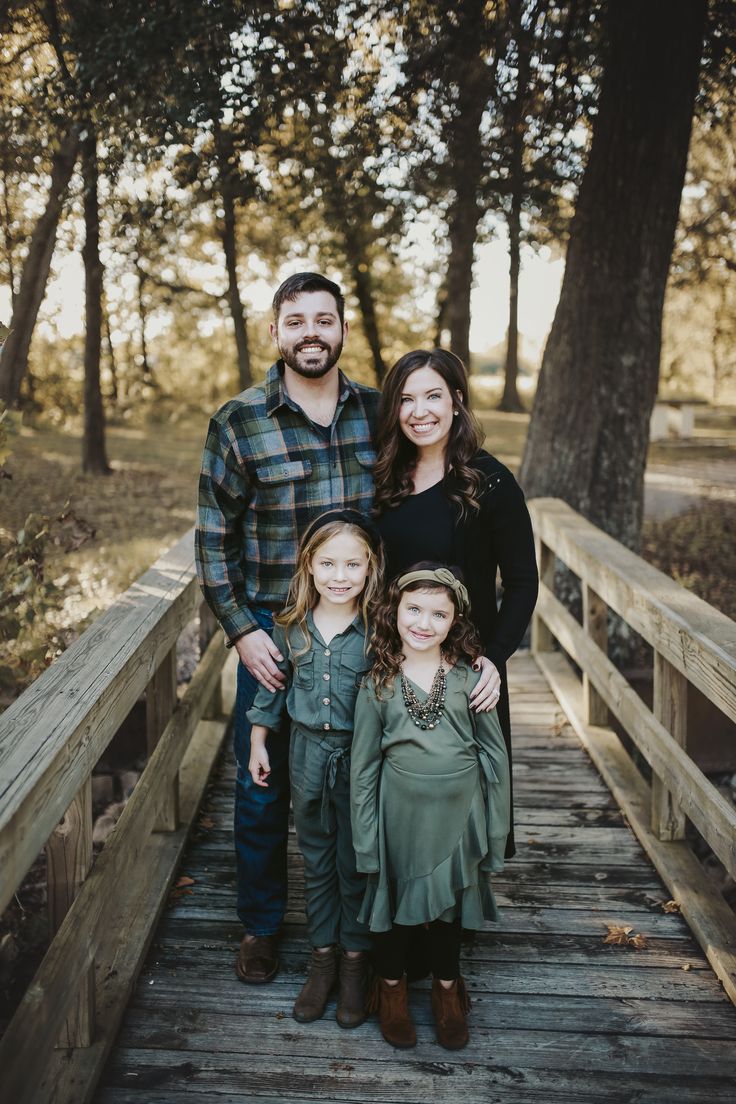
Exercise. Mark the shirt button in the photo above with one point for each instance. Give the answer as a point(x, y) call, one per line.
point(326, 677)
point(325, 726)
point(327, 652)
point(325, 701)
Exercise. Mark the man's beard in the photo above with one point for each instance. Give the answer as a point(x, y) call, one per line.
point(317, 364)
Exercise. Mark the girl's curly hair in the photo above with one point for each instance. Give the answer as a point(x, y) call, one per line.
point(462, 641)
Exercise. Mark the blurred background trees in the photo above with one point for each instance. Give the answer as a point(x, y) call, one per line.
point(163, 167)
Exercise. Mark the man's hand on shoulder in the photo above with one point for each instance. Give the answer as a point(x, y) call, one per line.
point(259, 654)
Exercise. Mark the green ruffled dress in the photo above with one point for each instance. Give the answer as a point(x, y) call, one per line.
point(430, 808)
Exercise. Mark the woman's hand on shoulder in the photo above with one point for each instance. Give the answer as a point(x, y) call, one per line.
point(486, 692)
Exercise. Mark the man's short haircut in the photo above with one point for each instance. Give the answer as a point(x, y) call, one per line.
point(307, 281)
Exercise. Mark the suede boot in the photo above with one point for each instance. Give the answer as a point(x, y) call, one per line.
point(351, 1000)
point(450, 1008)
point(393, 1014)
point(310, 1004)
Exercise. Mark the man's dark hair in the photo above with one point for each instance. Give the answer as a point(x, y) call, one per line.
point(307, 281)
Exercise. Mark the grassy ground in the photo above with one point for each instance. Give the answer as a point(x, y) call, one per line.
point(133, 514)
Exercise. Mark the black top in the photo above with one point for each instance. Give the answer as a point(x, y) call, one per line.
point(426, 526)
point(422, 527)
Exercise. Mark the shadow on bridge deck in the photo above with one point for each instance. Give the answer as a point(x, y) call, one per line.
point(556, 1015)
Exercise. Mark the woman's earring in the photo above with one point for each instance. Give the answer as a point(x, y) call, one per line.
point(456, 412)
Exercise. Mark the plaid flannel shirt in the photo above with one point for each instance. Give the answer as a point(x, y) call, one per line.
point(267, 471)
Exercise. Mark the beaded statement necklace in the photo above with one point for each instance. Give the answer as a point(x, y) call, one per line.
point(426, 714)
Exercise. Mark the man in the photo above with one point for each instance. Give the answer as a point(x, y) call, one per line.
point(275, 457)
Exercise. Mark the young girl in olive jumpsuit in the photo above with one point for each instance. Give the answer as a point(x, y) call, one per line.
point(322, 635)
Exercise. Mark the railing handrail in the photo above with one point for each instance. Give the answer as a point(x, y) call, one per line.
point(693, 644)
point(695, 638)
point(54, 733)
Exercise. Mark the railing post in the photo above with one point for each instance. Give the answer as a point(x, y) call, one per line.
point(160, 704)
point(670, 707)
point(595, 623)
point(68, 860)
point(208, 626)
point(542, 638)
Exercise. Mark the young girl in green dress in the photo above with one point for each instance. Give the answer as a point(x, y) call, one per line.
point(429, 796)
point(322, 632)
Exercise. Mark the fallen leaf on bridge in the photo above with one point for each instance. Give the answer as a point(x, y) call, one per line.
point(206, 822)
point(617, 934)
point(670, 906)
point(621, 936)
point(185, 880)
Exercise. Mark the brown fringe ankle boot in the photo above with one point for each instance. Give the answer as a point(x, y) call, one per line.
point(393, 1013)
point(450, 1008)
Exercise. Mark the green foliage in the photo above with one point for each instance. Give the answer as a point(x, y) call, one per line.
point(27, 644)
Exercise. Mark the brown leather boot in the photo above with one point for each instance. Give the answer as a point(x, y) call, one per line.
point(310, 1004)
point(351, 1000)
point(393, 1014)
point(450, 1008)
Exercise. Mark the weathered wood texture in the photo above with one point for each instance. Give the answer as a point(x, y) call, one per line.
point(693, 643)
point(557, 1015)
point(68, 860)
point(696, 639)
point(52, 736)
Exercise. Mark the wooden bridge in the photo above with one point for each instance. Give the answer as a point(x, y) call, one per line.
point(593, 987)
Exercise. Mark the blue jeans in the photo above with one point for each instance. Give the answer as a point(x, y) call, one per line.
point(261, 815)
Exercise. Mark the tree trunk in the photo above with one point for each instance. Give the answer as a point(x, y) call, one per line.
point(364, 293)
point(8, 237)
point(111, 358)
point(466, 158)
point(588, 436)
point(146, 374)
point(440, 324)
point(14, 361)
point(94, 458)
point(510, 400)
point(228, 238)
point(463, 229)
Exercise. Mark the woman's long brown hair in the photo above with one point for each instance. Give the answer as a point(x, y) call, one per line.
point(462, 641)
point(397, 455)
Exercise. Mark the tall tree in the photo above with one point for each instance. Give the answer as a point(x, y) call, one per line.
point(494, 94)
point(94, 456)
point(588, 435)
point(29, 77)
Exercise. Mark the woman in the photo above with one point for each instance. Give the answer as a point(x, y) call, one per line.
point(440, 497)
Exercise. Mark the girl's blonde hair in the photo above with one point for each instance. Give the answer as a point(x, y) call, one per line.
point(303, 595)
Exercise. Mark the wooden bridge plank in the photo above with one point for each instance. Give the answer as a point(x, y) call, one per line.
point(557, 1015)
point(704, 907)
point(486, 1078)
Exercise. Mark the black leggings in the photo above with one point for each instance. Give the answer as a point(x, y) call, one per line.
point(391, 949)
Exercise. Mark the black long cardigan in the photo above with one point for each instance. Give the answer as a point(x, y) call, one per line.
point(498, 538)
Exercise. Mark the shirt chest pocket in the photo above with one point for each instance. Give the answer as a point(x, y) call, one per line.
point(281, 485)
point(352, 669)
point(304, 671)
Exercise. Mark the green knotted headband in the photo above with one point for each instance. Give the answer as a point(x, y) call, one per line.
point(441, 575)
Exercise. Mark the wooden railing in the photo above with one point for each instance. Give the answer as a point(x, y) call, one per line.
point(694, 645)
point(102, 915)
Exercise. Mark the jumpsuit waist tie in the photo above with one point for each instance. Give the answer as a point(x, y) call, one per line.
point(336, 754)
